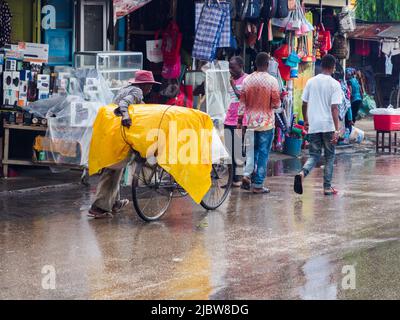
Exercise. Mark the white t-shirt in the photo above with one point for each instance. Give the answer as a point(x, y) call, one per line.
point(321, 92)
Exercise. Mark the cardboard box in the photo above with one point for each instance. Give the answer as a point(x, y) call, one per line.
point(43, 95)
point(43, 82)
point(10, 65)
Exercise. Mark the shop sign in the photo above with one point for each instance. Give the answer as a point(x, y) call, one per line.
point(49, 20)
point(34, 52)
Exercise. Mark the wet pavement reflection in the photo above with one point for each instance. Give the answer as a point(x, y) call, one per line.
point(277, 246)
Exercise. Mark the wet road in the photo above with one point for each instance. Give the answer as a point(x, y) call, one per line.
point(275, 246)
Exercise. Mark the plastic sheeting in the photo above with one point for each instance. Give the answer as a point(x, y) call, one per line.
point(70, 117)
point(217, 91)
point(181, 139)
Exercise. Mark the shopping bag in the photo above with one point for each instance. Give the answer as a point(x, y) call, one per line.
point(153, 51)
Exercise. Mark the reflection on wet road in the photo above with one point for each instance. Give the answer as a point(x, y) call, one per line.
point(254, 247)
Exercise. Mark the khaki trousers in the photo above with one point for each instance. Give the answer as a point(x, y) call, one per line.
point(108, 188)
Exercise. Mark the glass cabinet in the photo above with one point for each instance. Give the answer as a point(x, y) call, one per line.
point(117, 67)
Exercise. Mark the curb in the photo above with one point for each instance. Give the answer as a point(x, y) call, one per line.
point(43, 189)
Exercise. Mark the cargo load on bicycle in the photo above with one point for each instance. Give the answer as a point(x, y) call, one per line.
point(179, 139)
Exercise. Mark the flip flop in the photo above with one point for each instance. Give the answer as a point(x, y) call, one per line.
point(298, 184)
point(261, 190)
point(330, 192)
point(99, 214)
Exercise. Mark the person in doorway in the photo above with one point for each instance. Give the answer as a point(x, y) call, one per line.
point(260, 96)
point(236, 65)
point(321, 98)
point(356, 94)
point(107, 200)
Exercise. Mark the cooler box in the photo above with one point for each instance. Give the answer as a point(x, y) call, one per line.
point(293, 146)
point(387, 122)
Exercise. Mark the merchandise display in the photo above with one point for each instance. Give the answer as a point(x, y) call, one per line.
point(115, 67)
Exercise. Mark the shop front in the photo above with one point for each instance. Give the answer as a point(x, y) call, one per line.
point(173, 40)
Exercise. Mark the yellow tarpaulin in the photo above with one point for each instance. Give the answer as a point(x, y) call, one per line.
point(182, 138)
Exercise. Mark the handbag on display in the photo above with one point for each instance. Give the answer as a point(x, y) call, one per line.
point(269, 9)
point(153, 50)
point(283, 9)
point(171, 49)
point(171, 43)
point(347, 21)
point(324, 39)
point(339, 47)
point(249, 9)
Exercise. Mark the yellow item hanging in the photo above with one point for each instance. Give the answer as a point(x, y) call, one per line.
point(180, 136)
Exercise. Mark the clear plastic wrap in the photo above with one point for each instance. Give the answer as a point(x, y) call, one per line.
point(217, 91)
point(70, 116)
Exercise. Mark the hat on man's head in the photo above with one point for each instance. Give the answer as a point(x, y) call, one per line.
point(143, 77)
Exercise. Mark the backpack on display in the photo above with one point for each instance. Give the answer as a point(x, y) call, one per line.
point(249, 9)
point(339, 47)
point(269, 9)
point(282, 9)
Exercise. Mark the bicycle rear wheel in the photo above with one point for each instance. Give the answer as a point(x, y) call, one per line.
point(152, 190)
point(221, 183)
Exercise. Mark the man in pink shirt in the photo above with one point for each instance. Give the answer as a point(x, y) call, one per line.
point(260, 96)
point(231, 121)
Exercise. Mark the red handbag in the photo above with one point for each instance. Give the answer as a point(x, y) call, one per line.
point(324, 39)
point(282, 53)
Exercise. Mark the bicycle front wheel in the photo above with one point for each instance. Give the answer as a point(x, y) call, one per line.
point(152, 190)
point(221, 184)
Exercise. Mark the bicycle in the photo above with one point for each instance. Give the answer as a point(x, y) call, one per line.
point(153, 188)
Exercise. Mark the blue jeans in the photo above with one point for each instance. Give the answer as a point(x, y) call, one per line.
point(317, 142)
point(257, 161)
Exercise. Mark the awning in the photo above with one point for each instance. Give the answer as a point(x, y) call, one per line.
point(125, 7)
point(368, 32)
point(392, 32)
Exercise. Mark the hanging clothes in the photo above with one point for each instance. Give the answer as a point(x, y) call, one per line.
point(388, 65)
point(5, 23)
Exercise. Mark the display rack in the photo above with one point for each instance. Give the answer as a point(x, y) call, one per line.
point(117, 67)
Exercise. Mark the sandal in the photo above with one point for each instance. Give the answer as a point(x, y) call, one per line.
point(246, 183)
point(330, 192)
point(119, 205)
point(98, 213)
point(298, 184)
point(262, 190)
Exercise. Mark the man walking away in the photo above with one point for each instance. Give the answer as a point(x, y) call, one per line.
point(321, 98)
point(260, 95)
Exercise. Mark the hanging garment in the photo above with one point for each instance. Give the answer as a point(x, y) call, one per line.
point(225, 39)
point(5, 23)
point(208, 31)
point(388, 65)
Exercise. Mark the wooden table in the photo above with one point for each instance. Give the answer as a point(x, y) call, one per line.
point(6, 159)
point(382, 144)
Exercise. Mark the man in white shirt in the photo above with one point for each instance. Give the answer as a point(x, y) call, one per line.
point(321, 99)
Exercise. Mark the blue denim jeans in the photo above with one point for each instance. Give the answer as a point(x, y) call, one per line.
point(257, 161)
point(317, 142)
